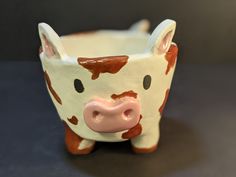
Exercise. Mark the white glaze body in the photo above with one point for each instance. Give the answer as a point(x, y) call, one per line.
point(142, 60)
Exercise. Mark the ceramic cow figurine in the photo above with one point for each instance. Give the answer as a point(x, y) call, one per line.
point(110, 85)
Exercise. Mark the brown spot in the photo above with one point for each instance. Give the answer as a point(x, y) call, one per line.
point(49, 84)
point(129, 93)
point(164, 101)
point(171, 57)
point(140, 117)
point(133, 132)
point(109, 64)
point(73, 120)
point(144, 150)
point(72, 141)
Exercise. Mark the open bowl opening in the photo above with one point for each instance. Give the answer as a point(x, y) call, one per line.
point(105, 43)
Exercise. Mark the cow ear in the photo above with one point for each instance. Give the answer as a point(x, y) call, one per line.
point(140, 26)
point(161, 38)
point(51, 43)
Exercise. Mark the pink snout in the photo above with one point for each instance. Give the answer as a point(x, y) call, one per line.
point(105, 116)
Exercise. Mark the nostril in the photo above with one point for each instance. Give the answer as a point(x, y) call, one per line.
point(97, 116)
point(129, 113)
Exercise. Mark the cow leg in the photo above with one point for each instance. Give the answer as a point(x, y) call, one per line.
point(146, 142)
point(76, 144)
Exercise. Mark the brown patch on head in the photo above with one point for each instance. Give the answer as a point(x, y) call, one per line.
point(49, 84)
point(129, 93)
point(133, 132)
point(73, 120)
point(72, 141)
point(164, 101)
point(109, 64)
point(171, 57)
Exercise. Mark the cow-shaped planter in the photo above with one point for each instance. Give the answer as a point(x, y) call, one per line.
point(110, 85)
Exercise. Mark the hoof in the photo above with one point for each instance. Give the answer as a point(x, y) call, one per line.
point(72, 141)
point(144, 150)
point(85, 151)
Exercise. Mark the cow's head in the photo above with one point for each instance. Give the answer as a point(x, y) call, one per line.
point(104, 81)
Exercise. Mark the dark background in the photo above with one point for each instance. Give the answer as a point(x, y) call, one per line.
point(206, 29)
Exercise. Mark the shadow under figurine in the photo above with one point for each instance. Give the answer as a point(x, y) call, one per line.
point(110, 85)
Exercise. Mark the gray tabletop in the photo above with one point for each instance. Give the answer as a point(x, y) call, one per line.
point(198, 129)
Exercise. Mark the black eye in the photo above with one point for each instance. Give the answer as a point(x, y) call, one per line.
point(78, 85)
point(147, 82)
